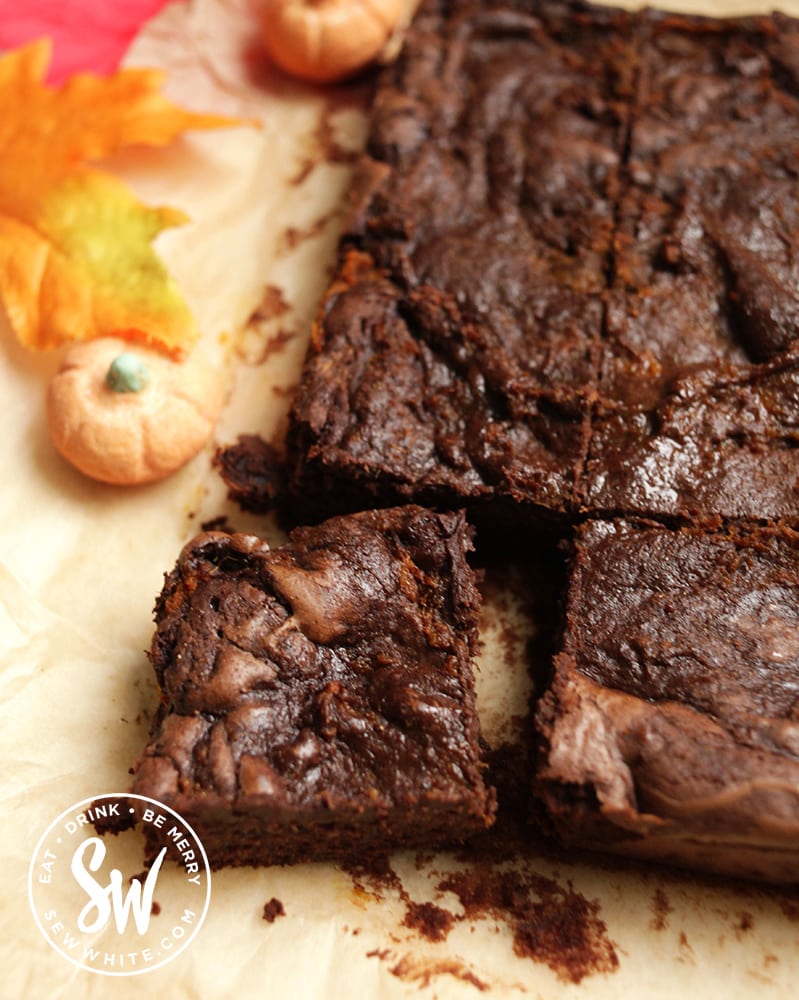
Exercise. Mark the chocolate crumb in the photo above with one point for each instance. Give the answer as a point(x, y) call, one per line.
point(307, 167)
point(252, 471)
point(260, 340)
point(745, 921)
point(155, 909)
point(416, 971)
point(661, 908)
point(275, 344)
point(272, 305)
point(375, 876)
point(293, 236)
point(328, 149)
point(551, 923)
point(380, 953)
point(431, 921)
point(332, 150)
point(272, 910)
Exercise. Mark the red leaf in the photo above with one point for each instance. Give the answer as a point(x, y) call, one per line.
point(87, 34)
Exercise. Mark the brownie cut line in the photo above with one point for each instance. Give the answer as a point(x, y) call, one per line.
point(317, 699)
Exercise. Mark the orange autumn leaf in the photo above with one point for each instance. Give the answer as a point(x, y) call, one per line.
point(76, 260)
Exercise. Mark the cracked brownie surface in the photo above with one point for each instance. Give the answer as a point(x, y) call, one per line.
point(697, 410)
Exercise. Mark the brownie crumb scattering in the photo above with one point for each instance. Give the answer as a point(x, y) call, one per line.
point(550, 922)
point(431, 921)
point(547, 919)
point(317, 700)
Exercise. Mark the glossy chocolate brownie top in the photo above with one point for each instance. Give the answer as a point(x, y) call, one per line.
point(699, 385)
point(673, 711)
point(577, 228)
point(645, 600)
point(325, 681)
point(720, 441)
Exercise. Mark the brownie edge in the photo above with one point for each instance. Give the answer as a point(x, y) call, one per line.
point(317, 700)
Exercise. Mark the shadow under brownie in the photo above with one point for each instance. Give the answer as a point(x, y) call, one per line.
point(318, 699)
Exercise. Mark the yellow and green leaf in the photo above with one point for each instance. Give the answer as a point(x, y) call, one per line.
point(76, 256)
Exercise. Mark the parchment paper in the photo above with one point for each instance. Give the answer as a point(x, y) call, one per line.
point(80, 565)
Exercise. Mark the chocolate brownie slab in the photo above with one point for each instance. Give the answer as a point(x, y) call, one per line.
point(384, 414)
point(571, 290)
point(455, 358)
point(705, 292)
point(317, 699)
point(572, 212)
point(671, 730)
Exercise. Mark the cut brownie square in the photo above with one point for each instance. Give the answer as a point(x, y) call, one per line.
point(671, 730)
point(709, 221)
point(721, 442)
point(386, 414)
point(455, 358)
point(698, 389)
point(317, 699)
